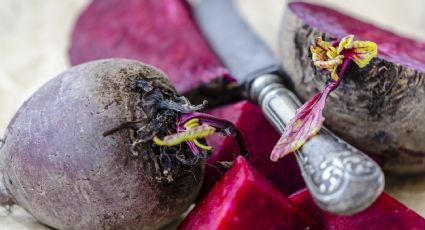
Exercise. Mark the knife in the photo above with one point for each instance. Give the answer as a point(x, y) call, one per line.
point(340, 178)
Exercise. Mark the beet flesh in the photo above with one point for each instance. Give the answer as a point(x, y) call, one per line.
point(260, 138)
point(161, 33)
point(385, 213)
point(60, 167)
point(244, 199)
point(377, 108)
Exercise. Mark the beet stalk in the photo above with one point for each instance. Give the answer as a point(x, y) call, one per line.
point(334, 57)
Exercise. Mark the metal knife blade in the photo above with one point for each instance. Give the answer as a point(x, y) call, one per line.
point(246, 54)
point(340, 178)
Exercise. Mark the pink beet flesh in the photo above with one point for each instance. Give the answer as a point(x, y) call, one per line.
point(260, 138)
point(244, 199)
point(386, 213)
point(161, 33)
point(392, 47)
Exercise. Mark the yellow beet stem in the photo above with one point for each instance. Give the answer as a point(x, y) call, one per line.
point(326, 56)
point(192, 123)
point(191, 134)
point(202, 146)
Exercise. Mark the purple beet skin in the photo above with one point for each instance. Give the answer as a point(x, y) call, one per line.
point(386, 213)
point(260, 138)
point(157, 32)
point(376, 108)
point(244, 199)
point(63, 163)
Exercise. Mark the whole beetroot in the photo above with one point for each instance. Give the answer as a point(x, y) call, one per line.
point(61, 166)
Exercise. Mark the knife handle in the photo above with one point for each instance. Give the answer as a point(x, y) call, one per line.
point(340, 178)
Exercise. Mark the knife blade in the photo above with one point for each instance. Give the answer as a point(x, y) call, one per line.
point(340, 178)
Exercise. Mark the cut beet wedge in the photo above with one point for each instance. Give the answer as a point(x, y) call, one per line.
point(260, 138)
point(386, 213)
point(244, 199)
point(157, 32)
point(377, 108)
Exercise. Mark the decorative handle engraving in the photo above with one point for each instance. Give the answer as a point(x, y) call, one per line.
point(341, 179)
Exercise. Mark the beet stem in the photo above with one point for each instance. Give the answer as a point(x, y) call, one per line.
point(333, 57)
point(192, 126)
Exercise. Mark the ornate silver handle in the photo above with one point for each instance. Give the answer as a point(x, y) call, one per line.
point(341, 179)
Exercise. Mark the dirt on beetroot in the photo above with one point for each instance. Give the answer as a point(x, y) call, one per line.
point(160, 108)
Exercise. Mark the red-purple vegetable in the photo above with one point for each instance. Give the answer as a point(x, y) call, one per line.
point(79, 154)
point(335, 57)
point(161, 33)
point(244, 199)
point(386, 213)
point(376, 108)
point(260, 138)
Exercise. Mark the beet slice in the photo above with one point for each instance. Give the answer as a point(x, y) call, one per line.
point(377, 108)
point(260, 138)
point(385, 213)
point(157, 32)
point(244, 199)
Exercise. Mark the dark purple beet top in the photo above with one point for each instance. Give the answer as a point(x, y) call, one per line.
point(392, 47)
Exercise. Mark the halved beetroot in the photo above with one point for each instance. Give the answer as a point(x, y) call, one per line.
point(377, 108)
point(157, 32)
point(244, 199)
point(260, 138)
point(386, 213)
